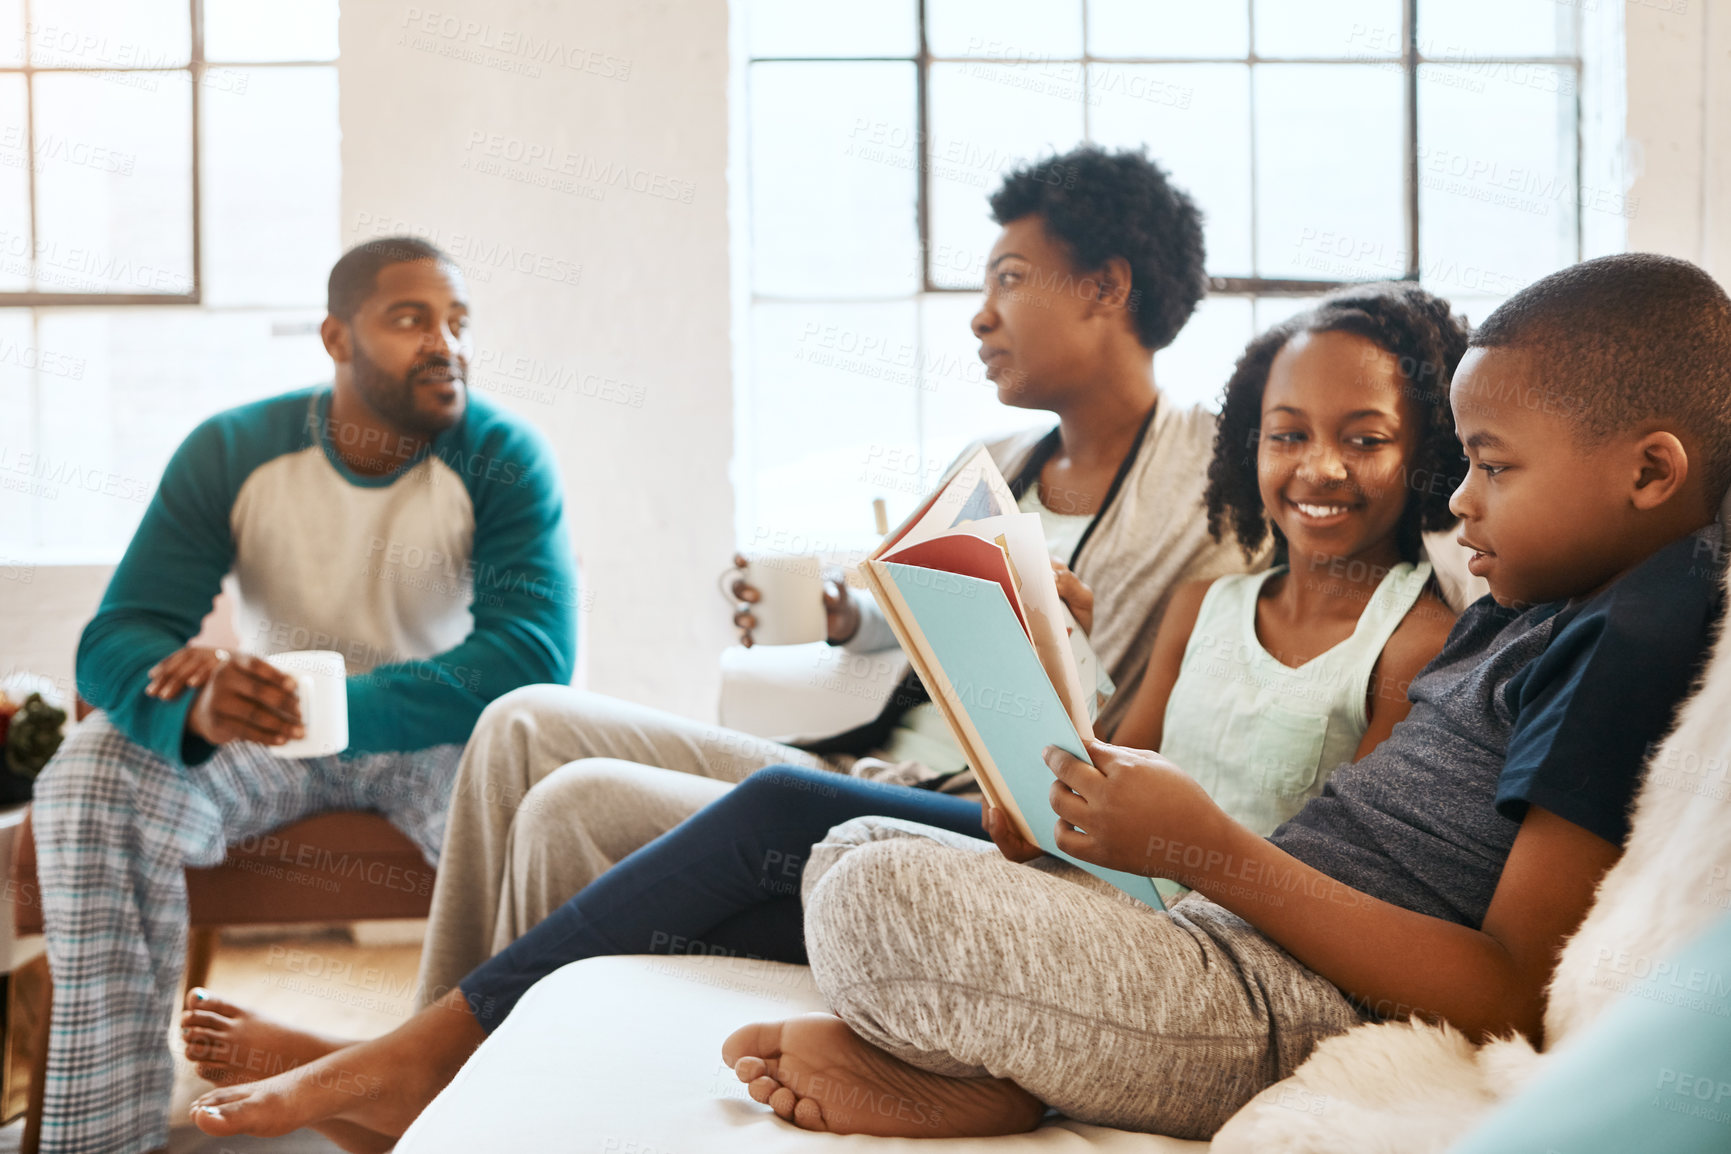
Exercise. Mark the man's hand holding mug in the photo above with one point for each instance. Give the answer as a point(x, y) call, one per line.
point(240, 697)
point(297, 706)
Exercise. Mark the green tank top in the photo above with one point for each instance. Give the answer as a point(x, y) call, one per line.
point(1263, 737)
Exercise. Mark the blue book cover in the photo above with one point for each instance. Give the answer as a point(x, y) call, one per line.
point(982, 671)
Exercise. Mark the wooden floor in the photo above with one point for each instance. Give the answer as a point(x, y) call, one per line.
point(327, 983)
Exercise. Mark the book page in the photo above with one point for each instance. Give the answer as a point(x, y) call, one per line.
point(1024, 539)
point(972, 490)
point(969, 556)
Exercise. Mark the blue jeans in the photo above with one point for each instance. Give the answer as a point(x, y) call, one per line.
point(725, 881)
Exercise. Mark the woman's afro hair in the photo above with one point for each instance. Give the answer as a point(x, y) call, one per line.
point(1104, 204)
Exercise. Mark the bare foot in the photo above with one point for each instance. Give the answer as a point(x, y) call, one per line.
point(232, 1045)
point(818, 1074)
point(380, 1086)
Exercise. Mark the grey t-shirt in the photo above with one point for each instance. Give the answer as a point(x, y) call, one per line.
point(1414, 822)
point(1555, 706)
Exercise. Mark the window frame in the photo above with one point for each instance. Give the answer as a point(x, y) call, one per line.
point(1251, 287)
point(196, 68)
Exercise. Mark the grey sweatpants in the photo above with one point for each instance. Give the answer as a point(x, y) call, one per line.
point(936, 949)
point(555, 786)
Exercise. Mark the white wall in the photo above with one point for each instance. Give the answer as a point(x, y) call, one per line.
point(618, 111)
point(1679, 129)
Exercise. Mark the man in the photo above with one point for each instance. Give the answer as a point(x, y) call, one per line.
point(390, 517)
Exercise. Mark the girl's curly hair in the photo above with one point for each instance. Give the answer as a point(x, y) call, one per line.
point(1426, 338)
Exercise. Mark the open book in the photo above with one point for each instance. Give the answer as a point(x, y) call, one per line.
point(966, 584)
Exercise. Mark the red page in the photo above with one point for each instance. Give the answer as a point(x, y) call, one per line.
point(968, 556)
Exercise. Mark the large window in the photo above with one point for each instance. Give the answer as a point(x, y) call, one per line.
point(169, 192)
point(1326, 142)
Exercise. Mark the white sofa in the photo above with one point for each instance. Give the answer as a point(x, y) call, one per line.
point(623, 1056)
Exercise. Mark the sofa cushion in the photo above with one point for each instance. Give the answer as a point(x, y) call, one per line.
point(623, 1056)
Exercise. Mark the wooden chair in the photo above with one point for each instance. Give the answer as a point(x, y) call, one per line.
point(333, 867)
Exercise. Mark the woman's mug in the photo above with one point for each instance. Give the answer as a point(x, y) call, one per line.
point(321, 681)
point(788, 608)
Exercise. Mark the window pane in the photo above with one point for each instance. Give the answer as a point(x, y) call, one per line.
point(1349, 29)
point(110, 33)
point(1193, 369)
point(1195, 120)
point(149, 376)
point(985, 119)
point(22, 493)
point(241, 31)
point(831, 405)
point(999, 29)
point(1497, 201)
point(832, 28)
point(1270, 311)
point(11, 33)
point(1448, 29)
point(14, 186)
point(1328, 156)
point(114, 185)
point(1168, 28)
point(1473, 308)
point(833, 179)
point(272, 186)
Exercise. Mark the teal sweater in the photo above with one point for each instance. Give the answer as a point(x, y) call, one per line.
point(445, 583)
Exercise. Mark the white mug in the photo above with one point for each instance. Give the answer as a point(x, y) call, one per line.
point(789, 608)
point(323, 689)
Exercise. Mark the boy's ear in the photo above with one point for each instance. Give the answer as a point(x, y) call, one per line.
point(1662, 469)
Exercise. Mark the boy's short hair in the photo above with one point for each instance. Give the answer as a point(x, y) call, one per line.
point(356, 272)
point(1629, 339)
point(1103, 204)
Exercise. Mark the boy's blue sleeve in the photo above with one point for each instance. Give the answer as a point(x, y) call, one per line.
point(1592, 708)
point(524, 607)
point(160, 594)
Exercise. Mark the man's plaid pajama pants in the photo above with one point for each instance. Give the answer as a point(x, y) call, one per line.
point(116, 827)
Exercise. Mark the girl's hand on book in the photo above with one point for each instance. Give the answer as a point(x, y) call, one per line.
point(1133, 810)
point(1077, 597)
point(1010, 843)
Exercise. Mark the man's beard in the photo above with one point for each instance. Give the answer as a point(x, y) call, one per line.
point(393, 398)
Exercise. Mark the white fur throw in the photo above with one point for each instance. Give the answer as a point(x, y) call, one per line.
point(1414, 1089)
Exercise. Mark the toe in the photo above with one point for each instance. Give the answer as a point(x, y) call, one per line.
point(199, 998)
point(750, 1069)
point(760, 1039)
point(761, 1088)
point(203, 1020)
point(783, 1102)
point(808, 1115)
point(201, 1046)
point(213, 1121)
point(217, 1112)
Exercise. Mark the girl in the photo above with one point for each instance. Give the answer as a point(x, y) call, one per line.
point(1332, 426)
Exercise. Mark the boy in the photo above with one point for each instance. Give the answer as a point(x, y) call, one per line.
point(1437, 876)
